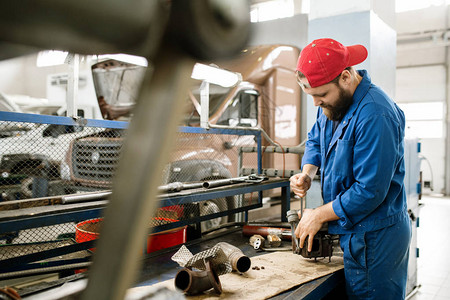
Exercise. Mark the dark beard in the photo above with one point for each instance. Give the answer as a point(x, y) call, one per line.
point(337, 112)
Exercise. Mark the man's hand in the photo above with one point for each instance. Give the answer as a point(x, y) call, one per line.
point(300, 184)
point(310, 223)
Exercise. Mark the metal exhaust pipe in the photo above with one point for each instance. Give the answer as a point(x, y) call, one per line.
point(239, 261)
point(195, 282)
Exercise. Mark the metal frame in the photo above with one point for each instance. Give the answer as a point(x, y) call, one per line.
point(25, 262)
point(59, 120)
point(9, 224)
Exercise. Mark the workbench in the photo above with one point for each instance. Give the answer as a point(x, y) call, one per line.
point(281, 275)
point(28, 217)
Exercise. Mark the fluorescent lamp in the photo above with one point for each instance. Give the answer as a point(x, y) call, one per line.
point(215, 75)
point(131, 59)
point(50, 58)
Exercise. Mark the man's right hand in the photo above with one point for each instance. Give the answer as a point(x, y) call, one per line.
point(300, 184)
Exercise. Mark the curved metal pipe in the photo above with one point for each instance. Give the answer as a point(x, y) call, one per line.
point(195, 282)
point(239, 261)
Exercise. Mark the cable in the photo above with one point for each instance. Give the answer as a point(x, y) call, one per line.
point(282, 149)
point(421, 157)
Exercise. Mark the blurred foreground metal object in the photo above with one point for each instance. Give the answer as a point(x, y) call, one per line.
point(135, 186)
point(205, 29)
point(202, 28)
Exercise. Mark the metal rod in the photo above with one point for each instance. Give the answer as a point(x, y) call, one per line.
point(72, 85)
point(54, 269)
point(179, 186)
point(284, 233)
point(75, 198)
point(270, 172)
point(221, 182)
point(274, 149)
point(252, 178)
point(293, 219)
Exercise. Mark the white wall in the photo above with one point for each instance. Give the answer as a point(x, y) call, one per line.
point(12, 74)
point(20, 75)
point(326, 8)
point(422, 20)
point(423, 83)
point(422, 75)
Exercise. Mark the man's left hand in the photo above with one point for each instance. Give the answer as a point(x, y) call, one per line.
point(308, 226)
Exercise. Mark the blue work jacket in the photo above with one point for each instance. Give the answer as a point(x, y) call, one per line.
point(361, 165)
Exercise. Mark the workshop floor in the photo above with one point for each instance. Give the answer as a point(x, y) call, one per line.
point(433, 243)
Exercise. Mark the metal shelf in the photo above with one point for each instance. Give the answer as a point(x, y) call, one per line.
point(46, 215)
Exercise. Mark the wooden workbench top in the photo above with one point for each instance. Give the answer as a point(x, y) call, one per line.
point(277, 272)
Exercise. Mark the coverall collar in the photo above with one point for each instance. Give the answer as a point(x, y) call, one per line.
point(358, 95)
point(360, 92)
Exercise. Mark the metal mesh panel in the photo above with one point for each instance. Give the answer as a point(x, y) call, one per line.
point(203, 157)
point(45, 160)
point(49, 159)
point(34, 240)
point(33, 158)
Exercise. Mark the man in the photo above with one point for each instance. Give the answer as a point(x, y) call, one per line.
point(357, 143)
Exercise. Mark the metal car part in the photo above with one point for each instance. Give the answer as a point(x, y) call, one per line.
point(195, 282)
point(239, 261)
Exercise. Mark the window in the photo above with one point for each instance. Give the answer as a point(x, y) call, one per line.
point(242, 110)
point(424, 119)
point(271, 10)
point(406, 5)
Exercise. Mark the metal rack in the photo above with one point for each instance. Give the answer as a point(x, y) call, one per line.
point(21, 216)
point(21, 219)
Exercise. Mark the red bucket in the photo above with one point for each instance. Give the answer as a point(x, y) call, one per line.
point(90, 230)
point(165, 239)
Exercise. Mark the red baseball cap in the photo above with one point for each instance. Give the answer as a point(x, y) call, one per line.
point(324, 59)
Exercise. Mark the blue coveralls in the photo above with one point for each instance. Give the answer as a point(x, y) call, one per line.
point(362, 171)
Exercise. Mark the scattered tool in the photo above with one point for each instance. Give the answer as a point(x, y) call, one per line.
point(179, 186)
point(253, 178)
point(270, 243)
point(257, 241)
point(292, 216)
point(283, 233)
